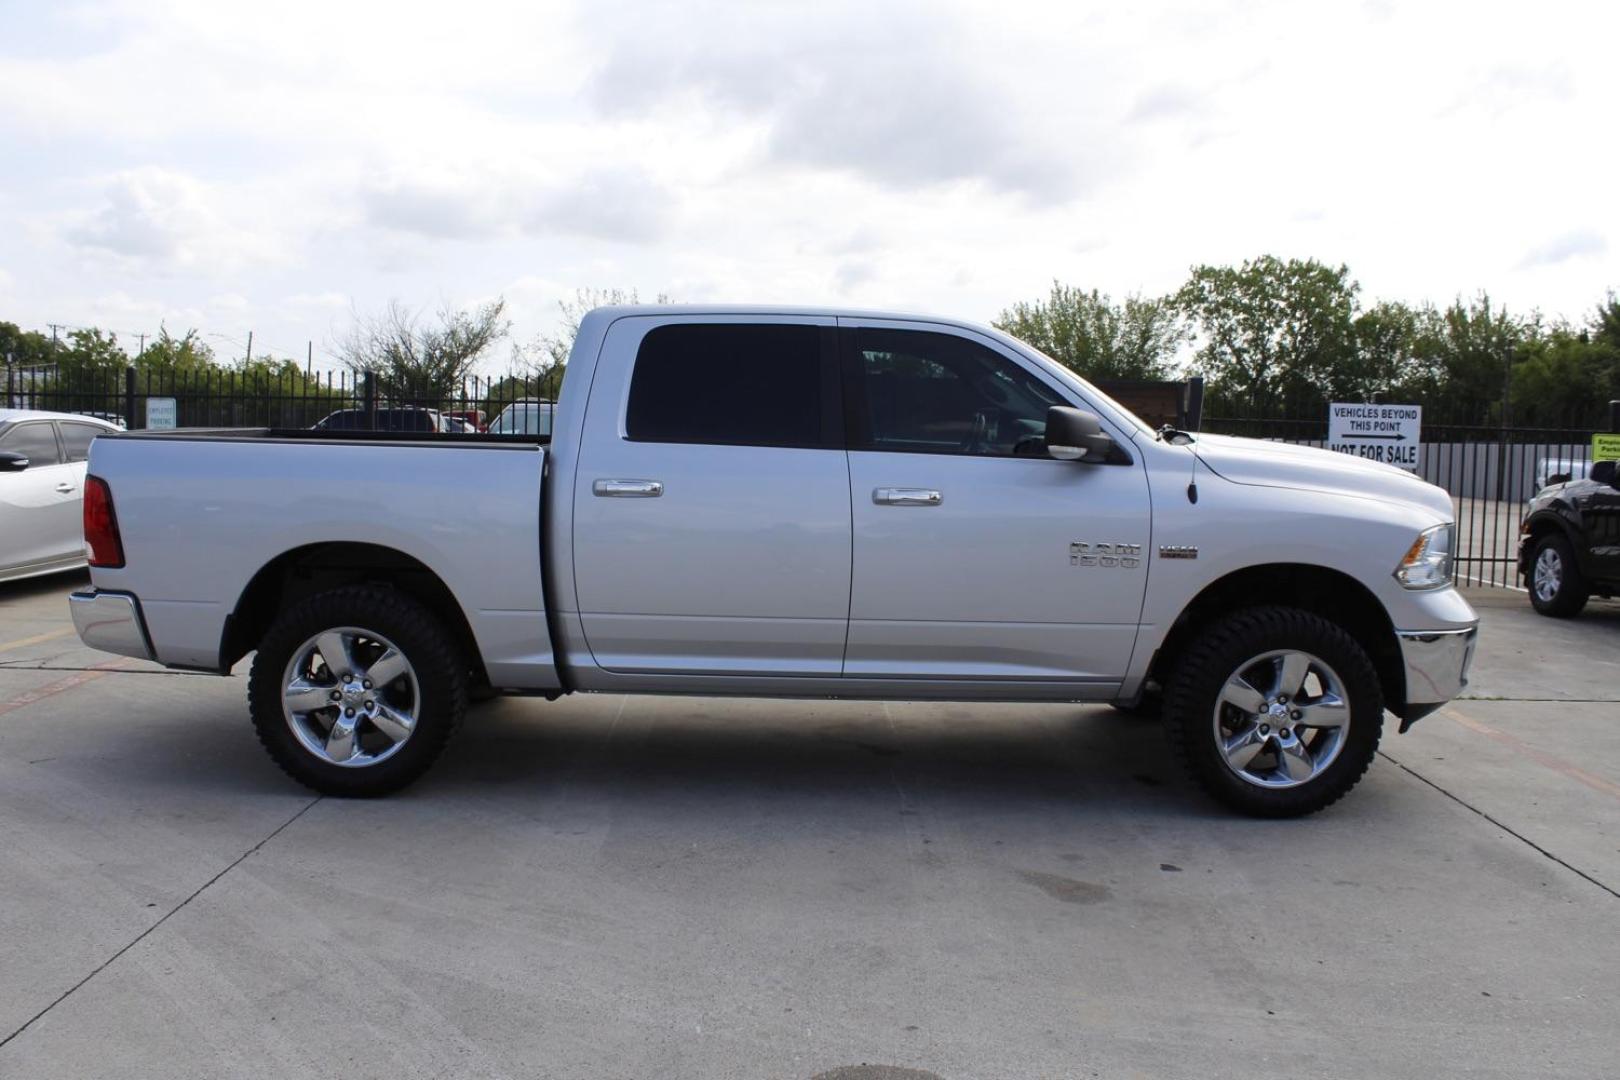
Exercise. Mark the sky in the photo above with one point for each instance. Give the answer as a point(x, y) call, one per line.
point(286, 167)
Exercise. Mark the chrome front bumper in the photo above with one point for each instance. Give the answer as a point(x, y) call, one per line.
point(110, 622)
point(1436, 664)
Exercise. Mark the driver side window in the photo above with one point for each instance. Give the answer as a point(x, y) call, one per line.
point(931, 393)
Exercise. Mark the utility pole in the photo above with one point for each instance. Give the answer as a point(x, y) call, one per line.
point(250, 347)
point(142, 350)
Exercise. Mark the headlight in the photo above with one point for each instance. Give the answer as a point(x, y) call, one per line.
point(1428, 562)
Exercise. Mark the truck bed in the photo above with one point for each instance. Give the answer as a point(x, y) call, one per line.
point(252, 501)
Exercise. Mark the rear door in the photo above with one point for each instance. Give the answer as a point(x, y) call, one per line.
point(976, 555)
point(711, 499)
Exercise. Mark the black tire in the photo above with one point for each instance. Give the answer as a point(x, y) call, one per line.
point(1573, 589)
point(1219, 652)
point(440, 676)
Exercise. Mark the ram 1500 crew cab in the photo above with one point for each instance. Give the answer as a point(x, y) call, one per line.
point(789, 503)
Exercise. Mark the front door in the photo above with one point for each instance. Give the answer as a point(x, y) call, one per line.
point(711, 499)
point(40, 510)
point(977, 556)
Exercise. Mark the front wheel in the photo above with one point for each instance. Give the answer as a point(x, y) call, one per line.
point(1276, 712)
point(356, 691)
point(1557, 587)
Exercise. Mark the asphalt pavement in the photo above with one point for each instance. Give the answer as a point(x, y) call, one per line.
point(691, 887)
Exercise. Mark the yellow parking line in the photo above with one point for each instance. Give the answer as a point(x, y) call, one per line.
point(35, 640)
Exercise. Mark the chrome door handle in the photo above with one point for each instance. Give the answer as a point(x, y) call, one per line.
point(66, 489)
point(627, 489)
point(906, 497)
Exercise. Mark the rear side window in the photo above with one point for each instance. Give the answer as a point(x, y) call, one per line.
point(76, 439)
point(37, 440)
point(736, 384)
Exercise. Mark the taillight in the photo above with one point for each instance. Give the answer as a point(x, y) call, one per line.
point(101, 540)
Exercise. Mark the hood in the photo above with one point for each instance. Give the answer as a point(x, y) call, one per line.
point(1264, 463)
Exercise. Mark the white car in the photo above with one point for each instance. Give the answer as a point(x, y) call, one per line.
point(527, 416)
point(42, 463)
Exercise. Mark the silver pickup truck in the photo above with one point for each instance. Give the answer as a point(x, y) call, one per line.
point(789, 503)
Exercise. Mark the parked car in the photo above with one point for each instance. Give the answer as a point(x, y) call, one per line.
point(115, 419)
point(42, 465)
point(1558, 470)
point(473, 418)
point(528, 416)
point(389, 418)
point(1569, 545)
point(1014, 535)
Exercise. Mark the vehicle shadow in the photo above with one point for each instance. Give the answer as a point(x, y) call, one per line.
point(36, 588)
point(658, 751)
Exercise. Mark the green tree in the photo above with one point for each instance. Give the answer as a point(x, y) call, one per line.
point(1558, 382)
point(1462, 360)
point(1092, 336)
point(23, 348)
point(419, 363)
point(168, 356)
point(1274, 337)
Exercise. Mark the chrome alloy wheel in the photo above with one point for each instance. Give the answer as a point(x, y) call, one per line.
point(350, 697)
point(1548, 577)
point(1281, 719)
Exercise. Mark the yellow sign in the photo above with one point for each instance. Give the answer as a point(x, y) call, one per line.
point(1606, 448)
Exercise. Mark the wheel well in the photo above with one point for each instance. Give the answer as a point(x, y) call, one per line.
point(316, 568)
point(1541, 526)
point(1329, 593)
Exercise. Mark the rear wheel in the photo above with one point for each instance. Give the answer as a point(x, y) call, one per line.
point(356, 691)
point(1557, 587)
point(1275, 712)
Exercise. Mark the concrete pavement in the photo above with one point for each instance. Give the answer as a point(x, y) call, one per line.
point(612, 887)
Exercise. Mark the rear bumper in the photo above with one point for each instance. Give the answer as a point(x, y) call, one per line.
point(1436, 663)
point(110, 622)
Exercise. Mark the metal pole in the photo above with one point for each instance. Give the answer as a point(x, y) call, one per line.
point(369, 394)
point(1195, 403)
point(129, 398)
point(1614, 417)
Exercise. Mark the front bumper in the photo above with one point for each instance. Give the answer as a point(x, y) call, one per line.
point(1436, 663)
point(110, 622)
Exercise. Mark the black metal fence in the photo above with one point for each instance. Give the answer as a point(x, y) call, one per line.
point(1490, 473)
point(215, 398)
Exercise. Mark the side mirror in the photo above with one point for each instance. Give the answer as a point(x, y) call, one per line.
point(11, 461)
point(1603, 472)
point(1076, 435)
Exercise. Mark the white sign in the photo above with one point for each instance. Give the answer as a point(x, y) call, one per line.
point(1387, 433)
point(162, 414)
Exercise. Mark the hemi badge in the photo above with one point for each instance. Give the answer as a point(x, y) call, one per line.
point(1174, 551)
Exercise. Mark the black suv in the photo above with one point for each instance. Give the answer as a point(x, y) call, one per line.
point(1569, 545)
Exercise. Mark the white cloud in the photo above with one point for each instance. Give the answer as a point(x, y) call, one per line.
point(610, 203)
point(1571, 245)
point(896, 93)
point(314, 156)
point(168, 220)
